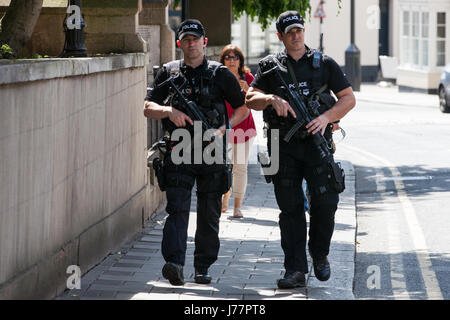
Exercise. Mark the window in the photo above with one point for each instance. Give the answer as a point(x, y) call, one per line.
point(405, 38)
point(415, 38)
point(440, 39)
point(424, 37)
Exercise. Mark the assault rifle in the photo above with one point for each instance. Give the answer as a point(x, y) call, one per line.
point(304, 114)
point(187, 106)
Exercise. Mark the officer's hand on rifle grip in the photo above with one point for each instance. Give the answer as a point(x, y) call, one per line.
point(318, 124)
point(282, 107)
point(179, 118)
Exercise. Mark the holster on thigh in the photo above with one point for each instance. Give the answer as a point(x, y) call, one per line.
point(218, 182)
point(319, 179)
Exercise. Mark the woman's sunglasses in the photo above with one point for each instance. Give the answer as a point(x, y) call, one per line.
point(227, 57)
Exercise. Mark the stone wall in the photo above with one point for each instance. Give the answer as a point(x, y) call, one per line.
point(74, 177)
point(111, 27)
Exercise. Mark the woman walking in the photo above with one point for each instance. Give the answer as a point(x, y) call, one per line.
point(243, 134)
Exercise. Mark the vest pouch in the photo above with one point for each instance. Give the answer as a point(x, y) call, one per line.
point(326, 101)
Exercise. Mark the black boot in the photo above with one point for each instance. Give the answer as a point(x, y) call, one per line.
point(292, 280)
point(322, 269)
point(202, 276)
point(174, 273)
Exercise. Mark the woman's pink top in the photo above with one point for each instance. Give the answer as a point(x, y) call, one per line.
point(247, 126)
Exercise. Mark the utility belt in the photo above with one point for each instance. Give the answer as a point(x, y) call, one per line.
point(171, 176)
point(326, 177)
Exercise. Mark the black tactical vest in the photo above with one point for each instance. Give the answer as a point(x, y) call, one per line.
point(201, 92)
point(317, 94)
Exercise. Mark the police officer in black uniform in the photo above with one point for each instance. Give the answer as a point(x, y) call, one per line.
point(299, 158)
point(208, 84)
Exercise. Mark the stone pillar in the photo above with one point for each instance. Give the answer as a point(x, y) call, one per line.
point(216, 17)
point(154, 28)
point(112, 26)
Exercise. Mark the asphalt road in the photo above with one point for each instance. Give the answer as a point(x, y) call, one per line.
point(401, 155)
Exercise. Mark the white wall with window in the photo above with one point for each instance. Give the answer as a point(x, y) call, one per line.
point(415, 39)
point(336, 28)
point(423, 47)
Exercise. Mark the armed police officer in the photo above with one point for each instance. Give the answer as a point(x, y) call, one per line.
point(194, 83)
point(288, 83)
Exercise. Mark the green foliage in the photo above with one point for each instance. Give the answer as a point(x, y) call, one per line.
point(38, 56)
point(175, 4)
point(6, 52)
point(267, 11)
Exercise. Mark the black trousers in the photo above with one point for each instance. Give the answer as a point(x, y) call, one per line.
point(180, 181)
point(300, 160)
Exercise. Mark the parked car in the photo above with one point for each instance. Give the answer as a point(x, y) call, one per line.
point(444, 90)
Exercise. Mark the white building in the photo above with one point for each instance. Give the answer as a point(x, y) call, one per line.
point(421, 42)
point(413, 32)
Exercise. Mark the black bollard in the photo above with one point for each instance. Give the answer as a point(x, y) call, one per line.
point(74, 43)
point(353, 56)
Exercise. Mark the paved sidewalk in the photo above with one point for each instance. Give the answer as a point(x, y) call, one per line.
point(250, 257)
point(377, 93)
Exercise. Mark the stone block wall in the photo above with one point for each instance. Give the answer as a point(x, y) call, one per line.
point(111, 26)
point(74, 176)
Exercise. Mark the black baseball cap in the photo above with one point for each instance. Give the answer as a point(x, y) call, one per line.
point(288, 20)
point(190, 26)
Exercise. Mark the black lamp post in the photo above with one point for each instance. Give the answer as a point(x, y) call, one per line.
point(353, 55)
point(321, 29)
point(74, 44)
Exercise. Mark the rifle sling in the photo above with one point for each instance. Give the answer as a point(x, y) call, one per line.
point(292, 74)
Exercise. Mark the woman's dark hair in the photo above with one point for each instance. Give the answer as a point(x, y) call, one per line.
point(243, 69)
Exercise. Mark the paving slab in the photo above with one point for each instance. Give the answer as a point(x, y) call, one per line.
point(250, 258)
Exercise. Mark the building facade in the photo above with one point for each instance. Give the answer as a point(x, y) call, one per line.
point(420, 42)
point(413, 33)
point(336, 34)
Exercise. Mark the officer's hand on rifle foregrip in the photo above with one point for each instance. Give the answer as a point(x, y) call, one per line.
point(318, 124)
point(282, 107)
point(179, 118)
